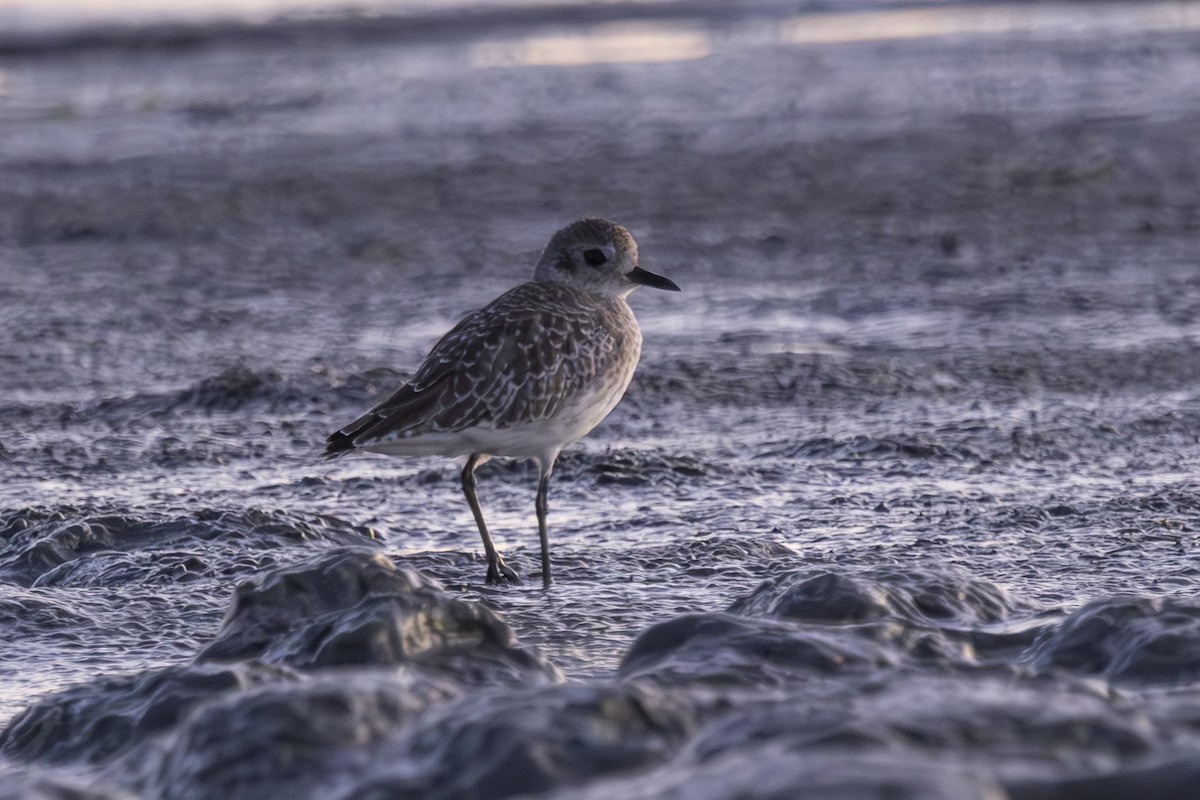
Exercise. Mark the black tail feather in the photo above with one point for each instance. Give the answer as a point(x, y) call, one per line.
point(338, 445)
point(343, 441)
point(405, 408)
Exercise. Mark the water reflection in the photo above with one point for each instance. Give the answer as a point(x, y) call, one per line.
point(1055, 18)
point(665, 42)
point(608, 44)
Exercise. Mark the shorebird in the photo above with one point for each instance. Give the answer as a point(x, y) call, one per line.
point(526, 375)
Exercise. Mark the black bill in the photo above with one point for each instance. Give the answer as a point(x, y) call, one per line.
point(643, 278)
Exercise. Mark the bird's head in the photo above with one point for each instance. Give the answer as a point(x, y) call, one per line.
point(598, 256)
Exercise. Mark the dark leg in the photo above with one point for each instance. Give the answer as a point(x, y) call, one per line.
point(542, 506)
point(498, 571)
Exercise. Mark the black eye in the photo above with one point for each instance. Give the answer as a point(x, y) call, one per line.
point(594, 257)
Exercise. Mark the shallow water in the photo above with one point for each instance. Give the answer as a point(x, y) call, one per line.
point(903, 494)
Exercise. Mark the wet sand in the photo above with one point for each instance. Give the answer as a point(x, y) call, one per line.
point(904, 483)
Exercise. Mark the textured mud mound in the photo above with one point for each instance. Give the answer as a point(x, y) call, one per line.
point(354, 607)
point(917, 666)
point(42, 786)
point(1128, 641)
point(326, 729)
point(91, 547)
point(916, 597)
point(801, 625)
point(728, 651)
point(772, 772)
point(373, 682)
point(529, 743)
point(98, 722)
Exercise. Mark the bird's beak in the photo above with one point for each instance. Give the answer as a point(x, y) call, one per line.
point(642, 277)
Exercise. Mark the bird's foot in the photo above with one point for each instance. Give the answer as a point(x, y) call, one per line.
point(501, 574)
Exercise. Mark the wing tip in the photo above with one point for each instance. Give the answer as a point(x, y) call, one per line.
point(338, 444)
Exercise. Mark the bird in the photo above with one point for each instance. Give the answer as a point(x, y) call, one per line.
point(524, 376)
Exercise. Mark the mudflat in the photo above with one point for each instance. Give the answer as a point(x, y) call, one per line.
point(903, 492)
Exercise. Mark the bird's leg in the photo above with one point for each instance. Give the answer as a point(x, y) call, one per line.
point(542, 506)
point(498, 571)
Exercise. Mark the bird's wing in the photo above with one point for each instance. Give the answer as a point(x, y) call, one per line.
point(515, 361)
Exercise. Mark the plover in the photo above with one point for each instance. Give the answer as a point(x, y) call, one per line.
point(524, 376)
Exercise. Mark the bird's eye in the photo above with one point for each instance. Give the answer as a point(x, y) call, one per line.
point(594, 257)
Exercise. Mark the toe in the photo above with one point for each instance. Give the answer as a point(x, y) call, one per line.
point(500, 573)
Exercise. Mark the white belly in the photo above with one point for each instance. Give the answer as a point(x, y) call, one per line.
point(541, 439)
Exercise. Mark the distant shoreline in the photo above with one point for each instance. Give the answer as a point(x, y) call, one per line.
point(360, 24)
point(24, 32)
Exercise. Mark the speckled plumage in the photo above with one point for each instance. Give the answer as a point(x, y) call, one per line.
point(526, 375)
point(524, 359)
